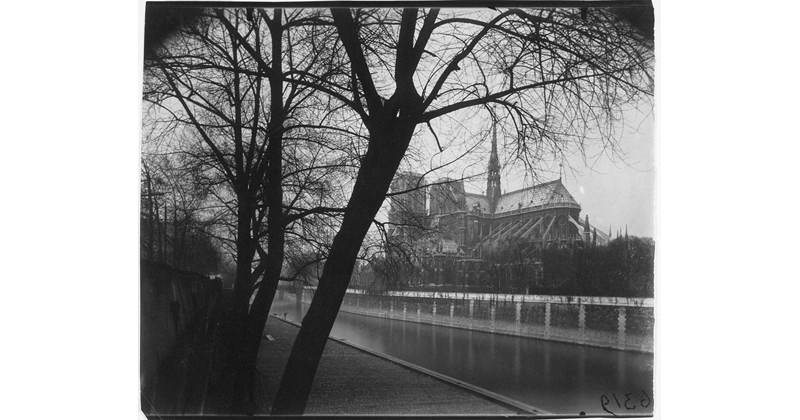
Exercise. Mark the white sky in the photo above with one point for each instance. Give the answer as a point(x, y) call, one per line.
point(619, 193)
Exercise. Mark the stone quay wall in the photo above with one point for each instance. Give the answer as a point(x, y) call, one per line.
point(617, 323)
point(177, 308)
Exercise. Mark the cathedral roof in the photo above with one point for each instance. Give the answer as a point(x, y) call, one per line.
point(549, 193)
point(481, 200)
point(553, 192)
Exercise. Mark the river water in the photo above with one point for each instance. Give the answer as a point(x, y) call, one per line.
point(556, 377)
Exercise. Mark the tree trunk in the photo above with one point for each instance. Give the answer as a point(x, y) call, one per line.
point(164, 258)
point(378, 168)
point(242, 347)
point(251, 319)
point(149, 212)
point(233, 390)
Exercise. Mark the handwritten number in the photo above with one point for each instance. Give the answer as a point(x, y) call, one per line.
point(628, 398)
point(604, 401)
point(628, 403)
point(648, 400)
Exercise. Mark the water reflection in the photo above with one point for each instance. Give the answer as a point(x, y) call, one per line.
point(556, 377)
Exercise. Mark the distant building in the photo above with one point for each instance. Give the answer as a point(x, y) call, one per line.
point(546, 214)
point(408, 211)
point(469, 226)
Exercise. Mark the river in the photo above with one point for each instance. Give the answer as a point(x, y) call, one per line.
point(556, 377)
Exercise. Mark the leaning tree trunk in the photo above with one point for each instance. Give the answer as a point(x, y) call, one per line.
point(387, 148)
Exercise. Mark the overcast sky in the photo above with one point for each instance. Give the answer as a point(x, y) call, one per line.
point(620, 193)
point(614, 193)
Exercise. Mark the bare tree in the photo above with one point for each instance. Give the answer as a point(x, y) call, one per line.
point(172, 221)
point(511, 268)
point(557, 76)
point(218, 93)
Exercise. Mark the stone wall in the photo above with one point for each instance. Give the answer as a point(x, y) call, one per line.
point(619, 323)
point(176, 308)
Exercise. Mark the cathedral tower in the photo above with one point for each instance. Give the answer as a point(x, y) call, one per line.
point(493, 190)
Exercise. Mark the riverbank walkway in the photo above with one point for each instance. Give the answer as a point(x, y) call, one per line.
point(355, 381)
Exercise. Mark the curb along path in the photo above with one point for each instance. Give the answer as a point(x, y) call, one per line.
point(353, 380)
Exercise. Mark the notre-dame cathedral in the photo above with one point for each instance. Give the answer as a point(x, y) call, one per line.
point(442, 219)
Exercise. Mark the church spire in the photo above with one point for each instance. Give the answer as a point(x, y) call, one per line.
point(493, 190)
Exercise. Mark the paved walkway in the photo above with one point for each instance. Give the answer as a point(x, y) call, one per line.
point(353, 381)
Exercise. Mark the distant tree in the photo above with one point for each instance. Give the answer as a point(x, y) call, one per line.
point(396, 266)
point(623, 268)
point(559, 271)
point(633, 269)
point(494, 271)
point(149, 213)
point(511, 267)
point(449, 270)
point(303, 266)
point(172, 231)
point(593, 274)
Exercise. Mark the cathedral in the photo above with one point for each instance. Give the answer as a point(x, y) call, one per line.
point(442, 219)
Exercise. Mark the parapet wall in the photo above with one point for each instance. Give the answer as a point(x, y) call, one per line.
point(618, 323)
point(176, 308)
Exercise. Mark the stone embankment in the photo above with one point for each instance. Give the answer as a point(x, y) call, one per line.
point(618, 323)
point(178, 317)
